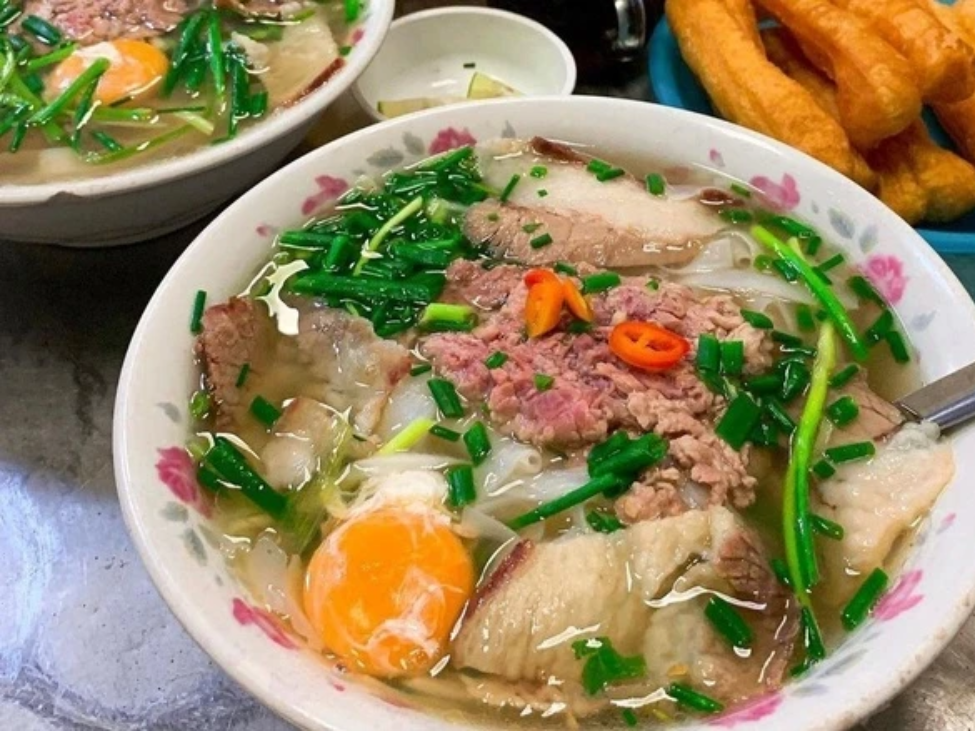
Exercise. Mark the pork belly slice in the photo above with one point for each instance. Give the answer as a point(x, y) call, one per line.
point(615, 224)
point(878, 500)
point(335, 359)
point(645, 588)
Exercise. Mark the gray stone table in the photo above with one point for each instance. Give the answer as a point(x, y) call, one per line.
point(85, 640)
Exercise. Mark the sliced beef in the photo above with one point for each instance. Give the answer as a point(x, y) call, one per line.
point(263, 8)
point(631, 586)
point(335, 358)
point(593, 392)
point(878, 500)
point(614, 224)
point(93, 21)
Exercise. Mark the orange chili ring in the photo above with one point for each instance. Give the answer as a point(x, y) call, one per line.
point(537, 276)
point(648, 346)
point(543, 309)
point(576, 301)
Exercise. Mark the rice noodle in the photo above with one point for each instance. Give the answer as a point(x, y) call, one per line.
point(410, 400)
point(475, 523)
point(733, 251)
point(507, 461)
point(540, 488)
point(387, 464)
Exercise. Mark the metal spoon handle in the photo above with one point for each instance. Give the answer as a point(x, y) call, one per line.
point(947, 402)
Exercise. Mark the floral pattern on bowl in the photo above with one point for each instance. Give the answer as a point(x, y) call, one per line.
point(926, 603)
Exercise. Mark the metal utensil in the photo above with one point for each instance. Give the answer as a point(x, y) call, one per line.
point(947, 402)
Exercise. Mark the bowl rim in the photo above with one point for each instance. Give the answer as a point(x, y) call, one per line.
point(568, 60)
point(379, 15)
point(236, 663)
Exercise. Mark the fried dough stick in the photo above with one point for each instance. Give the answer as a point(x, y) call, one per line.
point(958, 118)
point(917, 179)
point(719, 41)
point(876, 92)
point(944, 65)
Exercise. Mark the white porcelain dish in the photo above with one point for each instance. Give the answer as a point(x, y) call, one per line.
point(435, 53)
point(926, 605)
point(150, 200)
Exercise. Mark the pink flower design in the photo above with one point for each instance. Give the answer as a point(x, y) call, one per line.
point(782, 196)
point(329, 189)
point(901, 598)
point(246, 614)
point(949, 520)
point(753, 710)
point(886, 273)
point(716, 158)
point(449, 139)
point(176, 471)
point(357, 35)
point(266, 230)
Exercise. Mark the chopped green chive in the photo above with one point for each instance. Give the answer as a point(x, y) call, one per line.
point(842, 411)
point(408, 437)
point(779, 416)
point(510, 187)
point(851, 452)
point(607, 175)
point(199, 304)
point(460, 485)
point(763, 262)
point(601, 282)
point(543, 382)
point(831, 263)
point(419, 370)
point(738, 421)
point(352, 10)
point(787, 339)
point(539, 241)
point(604, 665)
point(864, 600)
point(785, 270)
point(862, 288)
point(741, 190)
point(264, 411)
point(844, 376)
point(41, 30)
point(781, 572)
point(441, 317)
point(470, 65)
point(898, 347)
point(242, 375)
point(538, 171)
point(496, 359)
point(442, 432)
point(736, 215)
point(687, 697)
point(653, 284)
point(477, 442)
point(765, 383)
point(593, 487)
point(626, 458)
point(107, 141)
point(823, 469)
point(826, 527)
point(878, 331)
point(757, 319)
point(732, 357)
point(603, 522)
point(795, 378)
point(345, 50)
point(630, 717)
point(445, 395)
point(708, 353)
point(728, 623)
point(200, 405)
point(656, 185)
point(812, 638)
point(562, 268)
point(530, 228)
point(231, 467)
point(804, 318)
point(542, 192)
point(493, 217)
point(578, 327)
point(597, 166)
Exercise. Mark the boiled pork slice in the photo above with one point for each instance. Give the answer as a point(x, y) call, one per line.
point(92, 21)
point(644, 588)
point(614, 224)
point(301, 437)
point(336, 358)
point(878, 500)
point(877, 419)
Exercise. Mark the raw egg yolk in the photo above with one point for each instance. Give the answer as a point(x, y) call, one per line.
point(136, 69)
point(385, 589)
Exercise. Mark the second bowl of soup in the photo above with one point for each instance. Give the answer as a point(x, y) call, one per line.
point(554, 412)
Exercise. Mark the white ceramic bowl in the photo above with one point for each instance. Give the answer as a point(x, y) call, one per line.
point(169, 524)
point(425, 56)
point(153, 199)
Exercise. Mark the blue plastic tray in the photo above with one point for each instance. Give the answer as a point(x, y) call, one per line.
point(675, 85)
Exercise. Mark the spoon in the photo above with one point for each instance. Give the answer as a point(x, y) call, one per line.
point(947, 402)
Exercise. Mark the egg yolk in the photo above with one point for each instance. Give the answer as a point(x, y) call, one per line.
point(136, 69)
point(385, 589)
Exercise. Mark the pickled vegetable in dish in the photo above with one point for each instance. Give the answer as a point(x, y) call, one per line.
point(524, 433)
point(88, 87)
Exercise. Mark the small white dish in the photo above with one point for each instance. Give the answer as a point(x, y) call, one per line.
point(435, 53)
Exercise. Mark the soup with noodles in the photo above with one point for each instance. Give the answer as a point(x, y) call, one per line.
point(517, 432)
point(91, 86)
